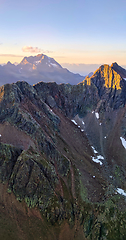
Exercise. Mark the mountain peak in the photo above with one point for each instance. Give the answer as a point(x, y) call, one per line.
point(38, 68)
point(105, 76)
point(121, 71)
point(9, 63)
point(114, 64)
point(24, 61)
point(38, 59)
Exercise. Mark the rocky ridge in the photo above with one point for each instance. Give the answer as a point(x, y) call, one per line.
point(64, 164)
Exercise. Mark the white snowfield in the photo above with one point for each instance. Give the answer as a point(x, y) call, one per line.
point(97, 115)
point(121, 191)
point(123, 142)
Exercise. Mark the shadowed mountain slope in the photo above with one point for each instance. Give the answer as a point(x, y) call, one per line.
point(119, 69)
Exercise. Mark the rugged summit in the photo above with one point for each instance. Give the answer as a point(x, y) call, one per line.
point(63, 158)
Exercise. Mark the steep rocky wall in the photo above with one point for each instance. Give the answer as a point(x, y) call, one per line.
point(54, 172)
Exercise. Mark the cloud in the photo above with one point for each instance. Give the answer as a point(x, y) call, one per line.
point(31, 49)
point(10, 55)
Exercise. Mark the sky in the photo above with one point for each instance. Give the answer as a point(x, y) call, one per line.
point(76, 33)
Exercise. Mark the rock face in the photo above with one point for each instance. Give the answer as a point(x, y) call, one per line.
point(63, 158)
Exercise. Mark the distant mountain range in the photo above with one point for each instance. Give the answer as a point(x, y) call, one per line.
point(38, 68)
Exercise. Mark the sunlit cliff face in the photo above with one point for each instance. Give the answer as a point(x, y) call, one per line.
point(1, 93)
point(105, 72)
point(34, 67)
point(88, 79)
point(25, 62)
point(112, 78)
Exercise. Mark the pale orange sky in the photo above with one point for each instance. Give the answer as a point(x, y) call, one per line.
point(72, 32)
point(72, 57)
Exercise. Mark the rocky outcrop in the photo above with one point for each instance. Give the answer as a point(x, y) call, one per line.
point(8, 158)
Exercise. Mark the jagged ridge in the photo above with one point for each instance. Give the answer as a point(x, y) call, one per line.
point(52, 167)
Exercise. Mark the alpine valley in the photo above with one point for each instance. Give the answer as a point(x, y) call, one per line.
point(63, 155)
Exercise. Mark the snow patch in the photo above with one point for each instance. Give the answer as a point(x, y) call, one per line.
point(124, 79)
point(105, 137)
point(78, 126)
point(54, 65)
point(96, 160)
point(93, 176)
point(83, 122)
point(100, 123)
point(121, 191)
point(0, 135)
point(94, 149)
point(74, 122)
point(123, 142)
point(92, 111)
point(37, 62)
point(100, 157)
point(82, 130)
point(97, 115)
